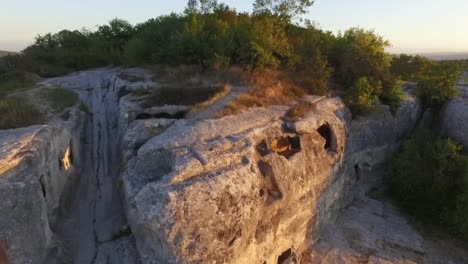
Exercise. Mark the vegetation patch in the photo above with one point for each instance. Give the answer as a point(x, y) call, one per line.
point(439, 85)
point(262, 96)
point(15, 81)
point(299, 110)
point(430, 180)
point(130, 77)
point(18, 112)
point(60, 98)
point(225, 90)
point(181, 95)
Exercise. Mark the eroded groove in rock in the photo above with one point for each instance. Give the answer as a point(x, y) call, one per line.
point(274, 193)
point(95, 215)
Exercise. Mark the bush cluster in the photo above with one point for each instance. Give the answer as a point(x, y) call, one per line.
point(430, 180)
point(214, 36)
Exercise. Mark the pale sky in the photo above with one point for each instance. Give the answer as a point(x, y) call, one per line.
point(410, 25)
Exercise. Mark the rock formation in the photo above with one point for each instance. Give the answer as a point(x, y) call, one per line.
point(455, 117)
point(33, 177)
point(253, 188)
point(124, 184)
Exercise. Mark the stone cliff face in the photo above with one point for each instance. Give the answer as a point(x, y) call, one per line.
point(35, 166)
point(455, 117)
point(251, 188)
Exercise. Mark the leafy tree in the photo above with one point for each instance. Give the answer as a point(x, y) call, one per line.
point(392, 94)
point(201, 6)
point(429, 179)
point(362, 95)
point(358, 53)
point(136, 50)
point(439, 86)
point(410, 68)
point(283, 8)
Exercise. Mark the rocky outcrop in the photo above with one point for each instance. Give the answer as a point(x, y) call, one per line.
point(36, 164)
point(455, 118)
point(253, 188)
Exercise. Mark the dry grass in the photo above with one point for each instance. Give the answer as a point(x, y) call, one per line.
point(272, 88)
point(299, 110)
point(225, 90)
point(18, 112)
point(195, 75)
point(181, 95)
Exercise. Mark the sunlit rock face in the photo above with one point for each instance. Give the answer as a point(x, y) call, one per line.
point(33, 176)
point(254, 188)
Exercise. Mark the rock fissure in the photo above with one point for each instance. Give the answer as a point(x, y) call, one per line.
point(95, 218)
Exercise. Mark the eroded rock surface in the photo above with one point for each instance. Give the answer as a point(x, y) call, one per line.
point(253, 188)
point(455, 117)
point(33, 176)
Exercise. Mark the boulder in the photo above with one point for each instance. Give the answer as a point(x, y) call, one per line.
point(253, 188)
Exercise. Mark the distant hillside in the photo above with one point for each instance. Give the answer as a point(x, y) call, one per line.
point(4, 53)
point(444, 56)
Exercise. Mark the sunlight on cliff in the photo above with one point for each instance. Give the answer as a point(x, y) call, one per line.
point(66, 160)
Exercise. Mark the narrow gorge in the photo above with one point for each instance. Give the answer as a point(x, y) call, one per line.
point(95, 216)
point(114, 181)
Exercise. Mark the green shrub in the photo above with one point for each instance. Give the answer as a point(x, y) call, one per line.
point(60, 98)
point(439, 86)
point(359, 53)
point(392, 95)
point(14, 81)
point(410, 68)
point(18, 112)
point(430, 180)
point(362, 95)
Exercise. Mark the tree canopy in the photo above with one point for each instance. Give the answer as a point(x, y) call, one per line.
point(283, 8)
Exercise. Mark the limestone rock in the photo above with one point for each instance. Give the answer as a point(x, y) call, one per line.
point(121, 251)
point(455, 118)
point(33, 176)
point(253, 188)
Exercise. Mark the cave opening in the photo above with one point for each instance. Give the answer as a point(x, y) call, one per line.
point(287, 146)
point(285, 256)
point(326, 132)
point(262, 148)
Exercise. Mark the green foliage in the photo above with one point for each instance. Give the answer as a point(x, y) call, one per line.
point(392, 94)
point(14, 81)
point(18, 112)
point(362, 95)
point(410, 68)
point(359, 53)
point(283, 8)
point(438, 86)
point(430, 180)
point(60, 98)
